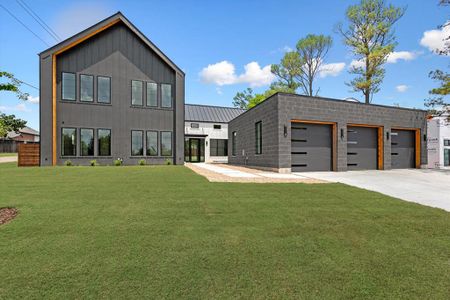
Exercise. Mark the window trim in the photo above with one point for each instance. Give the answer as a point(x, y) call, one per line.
point(146, 93)
point(157, 143)
point(258, 136)
point(93, 138)
point(98, 142)
point(110, 89)
point(142, 140)
point(171, 143)
point(62, 86)
point(142, 93)
point(62, 142)
point(93, 86)
point(233, 143)
point(171, 95)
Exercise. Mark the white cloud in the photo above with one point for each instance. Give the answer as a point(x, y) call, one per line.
point(357, 63)
point(400, 55)
point(401, 88)
point(79, 16)
point(434, 40)
point(333, 69)
point(219, 91)
point(223, 73)
point(19, 107)
point(34, 100)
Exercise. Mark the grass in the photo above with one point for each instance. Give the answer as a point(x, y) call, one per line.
point(7, 154)
point(165, 232)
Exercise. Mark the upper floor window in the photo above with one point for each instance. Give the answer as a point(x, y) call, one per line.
point(166, 95)
point(103, 89)
point(87, 88)
point(216, 126)
point(152, 94)
point(446, 142)
point(104, 142)
point(87, 142)
point(136, 92)
point(233, 143)
point(258, 137)
point(166, 143)
point(69, 142)
point(137, 143)
point(195, 125)
point(68, 86)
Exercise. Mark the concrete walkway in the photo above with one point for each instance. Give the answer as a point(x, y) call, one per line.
point(7, 159)
point(226, 171)
point(427, 187)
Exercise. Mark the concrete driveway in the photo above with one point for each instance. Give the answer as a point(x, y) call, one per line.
point(427, 187)
point(6, 159)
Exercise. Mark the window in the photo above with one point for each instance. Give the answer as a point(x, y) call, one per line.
point(152, 143)
point(258, 137)
point(103, 89)
point(446, 157)
point(68, 86)
point(166, 95)
point(195, 125)
point(446, 142)
point(104, 142)
point(152, 94)
point(137, 143)
point(218, 147)
point(166, 143)
point(233, 143)
point(87, 142)
point(136, 92)
point(87, 88)
point(216, 126)
point(69, 142)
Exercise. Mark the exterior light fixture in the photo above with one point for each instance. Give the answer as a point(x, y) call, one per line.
point(285, 131)
point(425, 137)
point(342, 133)
point(387, 135)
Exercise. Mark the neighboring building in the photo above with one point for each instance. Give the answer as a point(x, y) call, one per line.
point(439, 142)
point(108, 92)
point(206, 132)
point(288, 132)
point(25, 134)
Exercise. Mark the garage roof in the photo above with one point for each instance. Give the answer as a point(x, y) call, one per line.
point(206, 113)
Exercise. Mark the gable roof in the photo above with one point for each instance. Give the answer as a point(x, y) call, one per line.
point(100, 26)
point(207, 113)
point(26, 130)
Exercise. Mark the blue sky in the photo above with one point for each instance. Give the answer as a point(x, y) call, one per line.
point(226, 46)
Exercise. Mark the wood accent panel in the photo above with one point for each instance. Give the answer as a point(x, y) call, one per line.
point(417, 140)
point(334, 133)
point(28, 155)
point(380, 142)
point(364, 125)
point(71, 45)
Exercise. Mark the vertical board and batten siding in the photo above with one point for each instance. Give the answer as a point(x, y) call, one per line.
point(117, 53)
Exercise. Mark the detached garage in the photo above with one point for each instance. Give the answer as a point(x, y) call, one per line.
point(301, 133)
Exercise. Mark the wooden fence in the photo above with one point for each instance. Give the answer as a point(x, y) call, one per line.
point(28, 155)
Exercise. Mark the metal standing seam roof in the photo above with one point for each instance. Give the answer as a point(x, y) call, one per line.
point(206, 113)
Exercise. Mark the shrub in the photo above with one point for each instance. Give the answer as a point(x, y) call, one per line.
point(168, 162)
point(142, 162)
point(94, 163)
point(118, 162)
point(68, 163)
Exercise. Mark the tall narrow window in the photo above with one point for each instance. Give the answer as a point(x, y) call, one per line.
point(233, 143)
point(103, 89)
point(166, 143)
point(68, 86)
point(446, 157)
point(137, 143)
point(166, 95)
point(136, 92)
point(152, 143)
point(258, 137)
point(69, 142)
point(104, 142)
point(152, 94)
point(87, 88)
point(87, 142)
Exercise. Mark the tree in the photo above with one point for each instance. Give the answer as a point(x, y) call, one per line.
point(287, 72)
point(312, 50)
point(246, 99)
point(371, 37)
point(12, 85)
point(10, 123)
point(242, 99)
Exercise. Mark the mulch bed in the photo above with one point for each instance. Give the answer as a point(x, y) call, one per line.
point(7, 214)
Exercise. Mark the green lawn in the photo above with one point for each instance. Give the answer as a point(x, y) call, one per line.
point(7, 154)
point(165, 232)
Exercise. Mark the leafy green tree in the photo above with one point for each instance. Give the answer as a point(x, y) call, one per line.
point(287, 72)
point(312, 50)
point(241, 99)
point(246, 99)
point(371, 37)
point(10, 123)
point(12, 84)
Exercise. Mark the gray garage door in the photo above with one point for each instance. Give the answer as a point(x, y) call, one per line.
point(402, 149)
point(362, 144)
point(311, 147)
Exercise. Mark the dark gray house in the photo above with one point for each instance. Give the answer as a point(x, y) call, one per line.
point(289, 132)
point(107, 93)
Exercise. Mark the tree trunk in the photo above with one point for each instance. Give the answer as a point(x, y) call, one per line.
point(367, 95)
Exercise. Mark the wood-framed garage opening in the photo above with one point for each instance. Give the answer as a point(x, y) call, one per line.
point(365, 147)
point(313, 146)
point(405, 147)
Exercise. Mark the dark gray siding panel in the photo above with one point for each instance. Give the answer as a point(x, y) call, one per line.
point(179, 120)
point(45, 110)
point(402, 153)
point(362, 148)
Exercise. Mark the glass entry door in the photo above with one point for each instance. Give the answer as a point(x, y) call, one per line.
point(194, 149)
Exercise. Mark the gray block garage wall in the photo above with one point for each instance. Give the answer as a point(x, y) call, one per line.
point(278, 111)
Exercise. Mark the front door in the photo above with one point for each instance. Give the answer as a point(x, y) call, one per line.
point(194, 150)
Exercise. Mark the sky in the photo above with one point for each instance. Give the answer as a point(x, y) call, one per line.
point(226, 46)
